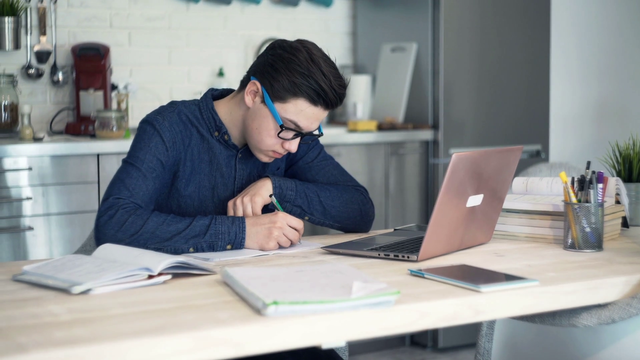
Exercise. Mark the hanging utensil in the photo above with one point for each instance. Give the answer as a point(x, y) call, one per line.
point(59, 76)
point(42, 50)
point(30, 71)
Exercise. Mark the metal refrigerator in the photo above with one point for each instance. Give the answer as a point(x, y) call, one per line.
point(481, 79)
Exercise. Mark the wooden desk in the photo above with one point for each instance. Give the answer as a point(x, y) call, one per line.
point(199, 317)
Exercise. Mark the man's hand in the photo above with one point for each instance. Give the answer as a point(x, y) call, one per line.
point(251, 201)
point(271, 231)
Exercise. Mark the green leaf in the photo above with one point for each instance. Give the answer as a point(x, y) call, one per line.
point(623, 159)
point(12, 7)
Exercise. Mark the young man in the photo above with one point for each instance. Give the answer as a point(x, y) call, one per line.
point(199, 174)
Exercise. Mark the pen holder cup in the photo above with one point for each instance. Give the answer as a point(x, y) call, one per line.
point(583, 227)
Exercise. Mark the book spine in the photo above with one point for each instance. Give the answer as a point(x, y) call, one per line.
point(50, 282)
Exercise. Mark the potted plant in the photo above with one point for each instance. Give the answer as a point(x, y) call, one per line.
point(10, 23)
point(623, 160)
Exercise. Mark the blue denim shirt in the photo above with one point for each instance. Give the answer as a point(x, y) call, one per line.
point(171, 192)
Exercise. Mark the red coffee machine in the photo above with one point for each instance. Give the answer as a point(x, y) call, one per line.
point(92, 66)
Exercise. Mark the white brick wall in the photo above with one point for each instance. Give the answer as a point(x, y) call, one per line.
point(172, 49)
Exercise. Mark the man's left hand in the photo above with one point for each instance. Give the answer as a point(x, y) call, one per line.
point(251, 201)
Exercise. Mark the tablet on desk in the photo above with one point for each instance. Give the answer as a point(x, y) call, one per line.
point(472, 277)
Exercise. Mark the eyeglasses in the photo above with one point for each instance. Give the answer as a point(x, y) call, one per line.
point(287, 133)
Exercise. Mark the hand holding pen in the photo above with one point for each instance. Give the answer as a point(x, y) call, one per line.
point(264, 231)
point(275, 203)
point(272, 231)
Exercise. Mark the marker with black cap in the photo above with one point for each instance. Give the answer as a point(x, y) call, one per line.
point(586, 170)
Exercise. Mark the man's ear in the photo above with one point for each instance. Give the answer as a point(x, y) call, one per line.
point(252, 94)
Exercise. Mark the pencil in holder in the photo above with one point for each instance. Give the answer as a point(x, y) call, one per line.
point(583, 226)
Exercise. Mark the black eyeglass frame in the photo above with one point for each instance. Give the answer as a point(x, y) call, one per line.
point(305, 137)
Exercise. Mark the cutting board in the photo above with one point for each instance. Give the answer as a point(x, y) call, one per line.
point(393, 80)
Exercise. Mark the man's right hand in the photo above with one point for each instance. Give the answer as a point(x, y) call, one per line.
point(271, 231)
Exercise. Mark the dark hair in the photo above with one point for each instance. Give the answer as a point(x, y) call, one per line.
point(298, 69)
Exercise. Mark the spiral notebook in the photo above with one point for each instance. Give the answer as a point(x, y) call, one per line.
point(286, 290)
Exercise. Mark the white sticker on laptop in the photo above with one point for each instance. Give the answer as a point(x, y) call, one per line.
point(475, 200)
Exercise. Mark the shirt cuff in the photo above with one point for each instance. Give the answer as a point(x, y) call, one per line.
point(230, 234)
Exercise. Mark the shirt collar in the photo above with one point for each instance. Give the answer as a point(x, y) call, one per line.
point(214, 123)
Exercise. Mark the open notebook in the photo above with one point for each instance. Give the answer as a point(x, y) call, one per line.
point(109, 265)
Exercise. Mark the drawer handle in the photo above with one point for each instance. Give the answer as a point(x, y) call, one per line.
point(10, 230)
point(11, 200)
point(407, 151)
point(19, 169)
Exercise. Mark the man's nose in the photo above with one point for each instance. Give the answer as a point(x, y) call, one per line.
point(291, 145)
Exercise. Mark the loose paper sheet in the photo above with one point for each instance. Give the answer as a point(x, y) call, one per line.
point(247, 253)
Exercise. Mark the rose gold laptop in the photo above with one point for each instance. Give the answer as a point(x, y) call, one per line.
point(465, 214)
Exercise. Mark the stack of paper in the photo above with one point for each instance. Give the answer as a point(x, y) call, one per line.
point(535, 212)
point(307, 289)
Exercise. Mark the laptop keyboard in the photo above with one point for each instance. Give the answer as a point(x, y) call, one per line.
point(404, 246)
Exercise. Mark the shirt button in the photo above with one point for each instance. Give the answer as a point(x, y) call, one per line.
point(226, 137)
point(191, 250)
point(216, 133)
point(228, 247)
point(239, 155)
point(306, 218)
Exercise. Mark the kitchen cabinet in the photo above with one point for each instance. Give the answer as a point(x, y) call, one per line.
point(107, 167)
point(366, 163)
point(47, 170)
point(407, 184)
point(41, 237)
point(47, 205)
point(51, 199)
point(394, 174)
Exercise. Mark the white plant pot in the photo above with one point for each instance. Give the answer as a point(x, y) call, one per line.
point(633, 191)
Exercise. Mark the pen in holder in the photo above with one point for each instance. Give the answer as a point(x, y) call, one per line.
point(583, 226)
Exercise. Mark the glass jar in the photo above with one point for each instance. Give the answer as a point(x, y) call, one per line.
point(26, 130)
point(122, 104)
point(9, 114)
point(110, 124)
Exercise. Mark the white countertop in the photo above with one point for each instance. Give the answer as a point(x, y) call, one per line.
point(62, 145)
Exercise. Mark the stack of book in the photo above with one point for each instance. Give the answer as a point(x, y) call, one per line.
point(548, 226)
point(535, 212)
